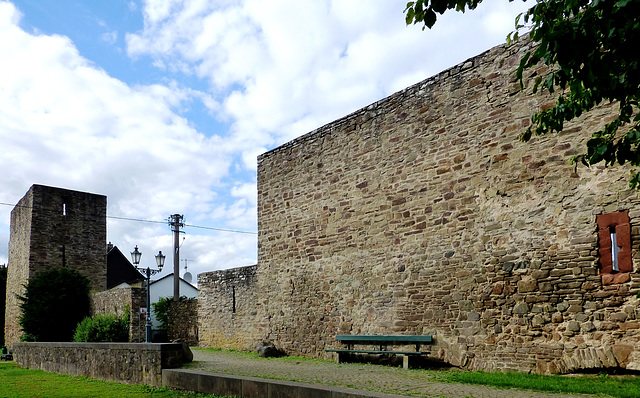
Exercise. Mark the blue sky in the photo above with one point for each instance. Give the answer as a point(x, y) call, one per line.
point(163, 105)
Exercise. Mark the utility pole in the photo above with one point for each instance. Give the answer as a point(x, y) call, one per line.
point(176, 221)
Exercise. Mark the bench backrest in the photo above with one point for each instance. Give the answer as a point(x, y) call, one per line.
point(386, 338)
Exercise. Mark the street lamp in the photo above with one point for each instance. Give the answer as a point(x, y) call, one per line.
point(135, 257)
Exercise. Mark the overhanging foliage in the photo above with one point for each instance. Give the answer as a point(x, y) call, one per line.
point(592, 47)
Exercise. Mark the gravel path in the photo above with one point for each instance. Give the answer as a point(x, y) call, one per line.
point(363, 377)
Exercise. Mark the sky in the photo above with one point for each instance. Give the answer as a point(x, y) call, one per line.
point(164, 105)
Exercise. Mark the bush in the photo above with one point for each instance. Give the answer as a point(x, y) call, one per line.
point(97, 328)
point(161, 311)
point(3, 299)
point(53, 303)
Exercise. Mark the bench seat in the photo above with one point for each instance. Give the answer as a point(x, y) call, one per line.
point(386, 338)
point(382, 341)
point(378, 352)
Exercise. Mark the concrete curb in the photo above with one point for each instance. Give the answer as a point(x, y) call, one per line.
point(254, 387)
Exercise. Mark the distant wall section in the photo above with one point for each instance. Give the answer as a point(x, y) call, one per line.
point(116, 301)
point(183, 321)
point(228, 309)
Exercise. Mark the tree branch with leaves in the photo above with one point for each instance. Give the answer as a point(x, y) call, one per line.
point(592, 49)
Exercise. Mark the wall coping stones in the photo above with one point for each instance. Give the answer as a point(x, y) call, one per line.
point(254, 387)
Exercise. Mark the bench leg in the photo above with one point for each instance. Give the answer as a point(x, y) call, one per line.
point(405, 361)
point(337, 357)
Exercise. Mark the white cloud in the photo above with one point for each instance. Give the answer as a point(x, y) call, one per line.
point(64, 122)
point(304, 63)
point(109, 37)
point(275, 70)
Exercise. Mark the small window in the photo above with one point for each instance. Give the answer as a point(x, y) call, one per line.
point(614, 240)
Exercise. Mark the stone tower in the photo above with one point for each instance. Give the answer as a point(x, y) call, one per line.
point(54, 227)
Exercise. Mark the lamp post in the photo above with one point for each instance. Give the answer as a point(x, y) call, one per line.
point(135, 257)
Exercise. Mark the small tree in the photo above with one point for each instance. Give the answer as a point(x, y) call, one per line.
point(53, 304)
point(3, 300)
point(161, 311)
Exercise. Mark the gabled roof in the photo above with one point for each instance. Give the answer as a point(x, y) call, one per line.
point(120, 270)
point(171, 275)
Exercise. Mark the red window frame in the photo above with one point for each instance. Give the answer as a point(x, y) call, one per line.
point(618, 222)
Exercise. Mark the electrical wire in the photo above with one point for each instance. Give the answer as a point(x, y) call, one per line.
point(155, 222)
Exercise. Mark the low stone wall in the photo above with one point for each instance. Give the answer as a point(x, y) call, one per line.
point(183, 321)
point(132, 363)
point(253, 387)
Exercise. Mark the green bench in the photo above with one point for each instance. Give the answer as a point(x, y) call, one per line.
point(382, 341)
point(7, 355)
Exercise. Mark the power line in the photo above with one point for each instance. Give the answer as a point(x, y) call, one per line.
point(136, 220)
point(221, 229)
point(154, 221)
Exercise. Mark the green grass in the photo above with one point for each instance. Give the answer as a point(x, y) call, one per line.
point(16, 382)
point(603, 385)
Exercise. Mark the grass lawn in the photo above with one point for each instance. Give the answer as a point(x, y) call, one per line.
point(602, 385)
point(16, 382)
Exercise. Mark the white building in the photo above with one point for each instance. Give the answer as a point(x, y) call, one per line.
point(163, 287)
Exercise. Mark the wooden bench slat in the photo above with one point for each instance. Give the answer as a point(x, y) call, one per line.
point(377, 352)
point(386, 338)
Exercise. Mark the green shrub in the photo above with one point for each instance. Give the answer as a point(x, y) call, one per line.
point(97, 328)
point(53, 303)
point(3, 299)
point(161, 311)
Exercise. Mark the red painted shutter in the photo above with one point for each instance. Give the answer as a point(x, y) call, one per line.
point(604, 241)
point(620, 221)
point(623, 238)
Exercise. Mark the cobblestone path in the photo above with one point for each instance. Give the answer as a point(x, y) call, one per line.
point(385, 379)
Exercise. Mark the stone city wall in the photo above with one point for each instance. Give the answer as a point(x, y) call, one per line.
point(183, 321)
point(137, 363)
point(228, 309)
point(116, 301)
point(423, 213)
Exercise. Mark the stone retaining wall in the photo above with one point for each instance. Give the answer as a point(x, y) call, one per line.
point(135, 363)
point(253, 387)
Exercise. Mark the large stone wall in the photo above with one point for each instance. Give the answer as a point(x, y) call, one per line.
point(121, 362)
point(424, 213)
point(228, 309)
point(54, 227)
point(117, 301)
